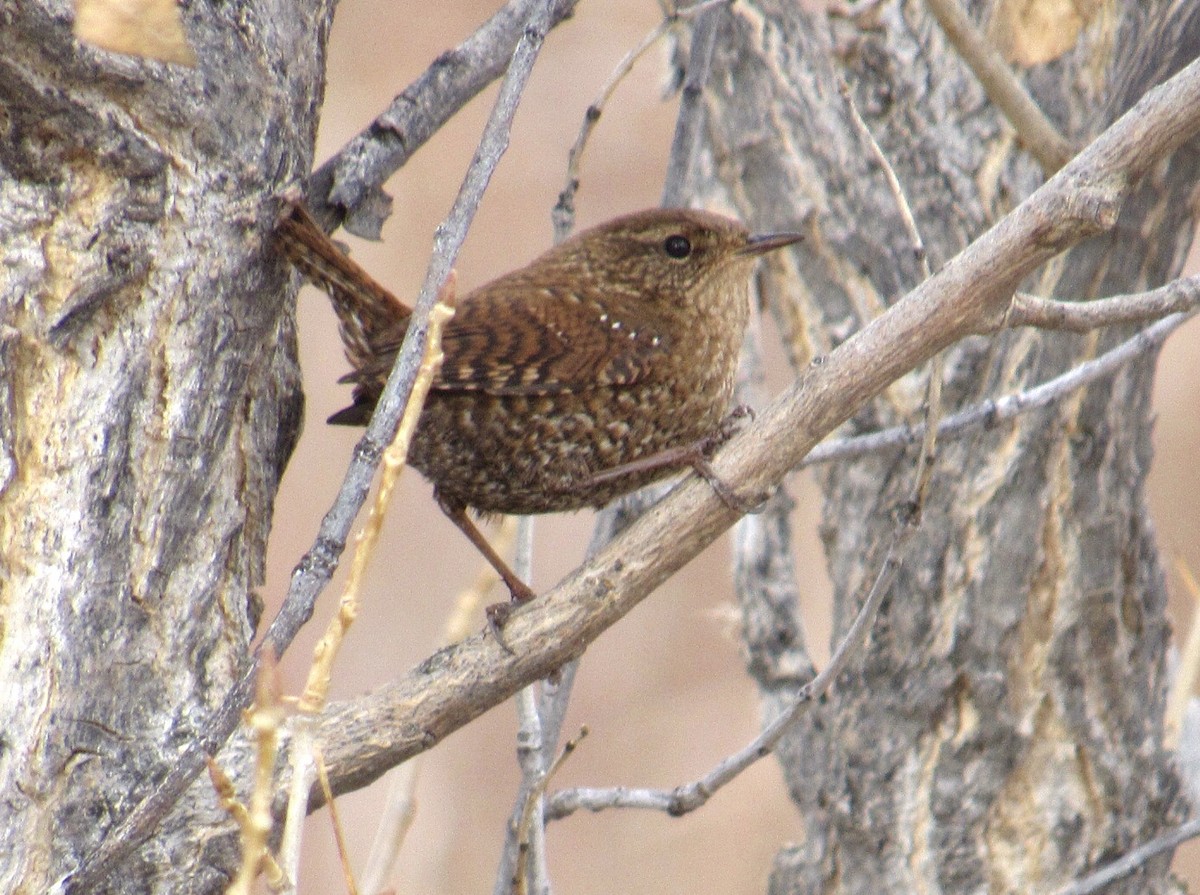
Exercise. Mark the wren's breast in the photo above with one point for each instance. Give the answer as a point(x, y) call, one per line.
point(527, 455)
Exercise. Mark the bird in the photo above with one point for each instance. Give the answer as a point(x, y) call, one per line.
point(603, 365)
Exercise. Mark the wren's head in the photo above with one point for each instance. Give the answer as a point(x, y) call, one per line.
point(670, 253)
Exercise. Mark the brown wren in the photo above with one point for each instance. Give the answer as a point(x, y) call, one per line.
point(603, 365)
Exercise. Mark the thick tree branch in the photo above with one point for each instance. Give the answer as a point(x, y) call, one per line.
point(461, 682)
point(347, 188)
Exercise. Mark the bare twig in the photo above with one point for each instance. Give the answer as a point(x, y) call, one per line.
point(227, 796)
point(988, 413)
point(394, 458)
point(339, 835)
point(933, 389)
point(893, 181)
point(1134, 859)
point(346, 188)
point(316, 568)
point(400, 806)
point(564, 209)
point(1036, 132)
point(302, 756)
point(523, 857)
point(690, 796)
point(676, 184)
point(1139, 307)
point(394, 823)
point(256, 822)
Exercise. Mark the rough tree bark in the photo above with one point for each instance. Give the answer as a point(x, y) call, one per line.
point(149, 398)
point(1002, 730)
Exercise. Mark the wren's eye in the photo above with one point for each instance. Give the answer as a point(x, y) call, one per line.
point(677, 246)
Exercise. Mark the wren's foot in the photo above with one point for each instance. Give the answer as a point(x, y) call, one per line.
point(740, 504)
point(497, 615)
point(519, 591)
point(732, 422)
point(696, 456)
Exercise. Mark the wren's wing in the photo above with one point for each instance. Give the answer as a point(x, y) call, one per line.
point(544, 344)
point(539, 343)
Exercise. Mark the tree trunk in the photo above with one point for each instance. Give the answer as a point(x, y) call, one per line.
point(1001, 730)
point(151, 398)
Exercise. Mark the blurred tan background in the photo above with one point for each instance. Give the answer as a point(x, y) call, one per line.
point(663, 693)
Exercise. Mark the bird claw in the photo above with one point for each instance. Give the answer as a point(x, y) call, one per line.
point(736, 502)
point(726, 429)
point(497, 615)
point(729, 426)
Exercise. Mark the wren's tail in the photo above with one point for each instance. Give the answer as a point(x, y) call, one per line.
point(368, 315)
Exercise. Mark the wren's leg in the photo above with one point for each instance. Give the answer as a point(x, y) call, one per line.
point(520, 591)
point(694, 455)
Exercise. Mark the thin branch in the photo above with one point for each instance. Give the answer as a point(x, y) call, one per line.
point(933, 388)
point(316, 568)
point(398, 813)
point(893, 181)
point(690, 796)
point(522, 864)
point(227, 797)
point(255, 823)
point(400, 807)
point(1181, 295)
point(304, 760)
point(1133, 860)
point(347, 187)
point(563, 214)
point(320, 674)
point(564, 210)
point(1036, 132)
point(335, 820)
point(691, 113)
point(988, 413)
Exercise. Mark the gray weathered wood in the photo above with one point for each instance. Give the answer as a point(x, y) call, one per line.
point(1002, 731)
point(149, 399)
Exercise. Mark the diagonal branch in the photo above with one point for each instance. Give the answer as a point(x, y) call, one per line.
point(991, 412)
point(1134, 859)
point(691, 796)
point(459, 683)
point(347, 187)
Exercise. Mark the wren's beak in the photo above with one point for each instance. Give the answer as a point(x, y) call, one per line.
point(760, 243)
